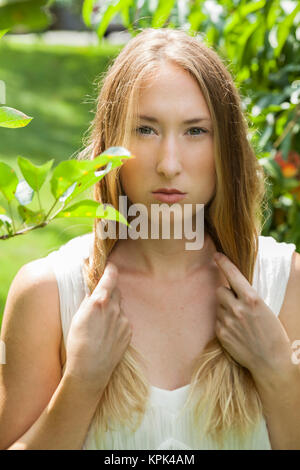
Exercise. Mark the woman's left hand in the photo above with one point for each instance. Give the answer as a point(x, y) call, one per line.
point(246, 327)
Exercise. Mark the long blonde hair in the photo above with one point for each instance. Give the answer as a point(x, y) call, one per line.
point(233, 218)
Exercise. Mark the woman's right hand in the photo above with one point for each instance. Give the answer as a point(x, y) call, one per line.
point(99, 334)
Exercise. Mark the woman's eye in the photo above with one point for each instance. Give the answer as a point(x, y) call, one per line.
point(198, 129)
point(139, 129)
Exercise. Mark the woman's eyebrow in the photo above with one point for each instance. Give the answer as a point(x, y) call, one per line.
point(188, 121)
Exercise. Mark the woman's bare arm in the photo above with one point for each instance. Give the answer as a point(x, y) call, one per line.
point(38, 408)
point(64, 423)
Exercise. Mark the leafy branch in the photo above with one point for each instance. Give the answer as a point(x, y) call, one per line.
point(69, 179)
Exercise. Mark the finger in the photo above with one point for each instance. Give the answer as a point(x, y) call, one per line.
point(108, 280)
point(116, 294)
point(235, 278)
point(226, 297)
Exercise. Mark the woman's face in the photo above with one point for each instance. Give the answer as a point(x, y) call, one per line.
point(169, 152)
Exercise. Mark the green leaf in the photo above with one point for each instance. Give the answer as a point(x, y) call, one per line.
point(251, 7)
point(87, 9)
point(91, 209)
point(240, 14)
point(8, 181)
point(107, 12)
point(285, 145)
point(108, 212)
point(272, 168)
point(84, 172)
point(126, 13)
point(284, 29)
point(31, 217)
point(6, 222)
point(117, 152)
point(244, 39)
point(162, 13)
point(272, 13)
point(65, 174)
point(264, 139)
point(112, 158)
point(84, 183)
point(196, 19)
point(84, 208)
point(2, 210)
point(290, 183)
point(24, 193)
point(2, 32)
point(35, 175)
point(68, 192)
point(10, 117)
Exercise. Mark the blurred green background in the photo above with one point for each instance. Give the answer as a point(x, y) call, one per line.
point(259, 42)
point(55, 85)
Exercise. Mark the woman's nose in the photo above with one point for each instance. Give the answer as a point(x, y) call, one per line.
point(169, 163)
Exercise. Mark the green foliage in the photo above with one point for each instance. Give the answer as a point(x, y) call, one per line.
point(8, 181)
point(10, 117)
point(34, 175)
point(24, 15)
point(88, 208)
point(2, 32)
point(68, 180)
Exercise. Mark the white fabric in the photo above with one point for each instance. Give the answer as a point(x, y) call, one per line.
point(162, 427)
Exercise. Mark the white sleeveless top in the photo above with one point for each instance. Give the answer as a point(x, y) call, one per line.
point(161, 427)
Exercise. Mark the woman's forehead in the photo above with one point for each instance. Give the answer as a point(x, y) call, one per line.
point(186, 104)
point(163, 72)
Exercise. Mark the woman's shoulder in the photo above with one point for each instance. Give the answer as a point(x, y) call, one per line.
point(274, 261)
point(64, 264)
point(272, 270)
point(269, 247)
point(289, 312)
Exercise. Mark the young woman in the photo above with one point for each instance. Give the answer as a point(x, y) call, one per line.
point(140, 343)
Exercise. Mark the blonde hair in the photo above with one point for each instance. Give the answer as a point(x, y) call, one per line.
point(233, 218)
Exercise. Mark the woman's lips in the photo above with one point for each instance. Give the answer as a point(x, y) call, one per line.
point(173, 197)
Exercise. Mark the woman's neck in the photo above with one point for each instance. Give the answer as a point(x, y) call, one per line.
point(164, 259)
